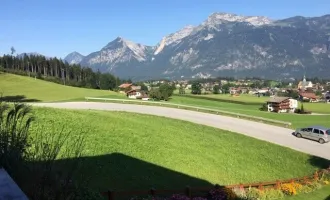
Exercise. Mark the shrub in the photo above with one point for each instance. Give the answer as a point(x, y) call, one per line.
point(271, 194)
point(179, 197)
point(264, 107)
point(290, 188)
point(325, 177)
point(240, 193)
point(221, 193)
point(32, 161)
point(15, 122)
point(254, 194)
point(199, 198)
point(315, 185)
point(147, 198)
point(305, 189)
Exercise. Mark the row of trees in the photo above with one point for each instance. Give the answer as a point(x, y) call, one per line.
point(58, 71)
point(163, 92)
point(196, 88)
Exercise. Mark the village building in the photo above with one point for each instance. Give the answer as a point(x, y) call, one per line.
point(125, 85)
point(136, 87)
point(308, 96)
point(282, 104)
point(234, 91)
point(327, 97)
point(137, 94)
point(304, 84)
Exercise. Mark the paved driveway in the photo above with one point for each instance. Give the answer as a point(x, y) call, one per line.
point(270, 133)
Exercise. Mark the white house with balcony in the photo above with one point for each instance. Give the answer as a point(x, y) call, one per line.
point(137, 94)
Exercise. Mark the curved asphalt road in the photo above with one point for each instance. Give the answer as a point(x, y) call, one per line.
point(273, 134)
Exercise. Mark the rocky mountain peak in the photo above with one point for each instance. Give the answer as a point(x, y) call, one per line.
point(74, 58)
point(174, 38)
point(227, 45)
point(221, 17)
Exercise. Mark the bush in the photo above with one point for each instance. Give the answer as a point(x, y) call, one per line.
point(220, 193)
point(290, 188)
point(179, 197)
point(240, 193)
point(32, 161)
point(264, 107)
point(254, 194)
point(15, 122)
point(315, 185)
point(305, 189)
point(270, 194)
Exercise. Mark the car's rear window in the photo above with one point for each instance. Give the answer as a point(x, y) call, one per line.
point(328, 132)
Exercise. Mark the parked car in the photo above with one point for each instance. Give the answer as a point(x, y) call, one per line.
point(317, 133)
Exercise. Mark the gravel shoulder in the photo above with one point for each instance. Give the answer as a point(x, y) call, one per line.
point(266, 132)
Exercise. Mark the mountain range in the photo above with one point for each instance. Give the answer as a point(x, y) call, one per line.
point(223, 45)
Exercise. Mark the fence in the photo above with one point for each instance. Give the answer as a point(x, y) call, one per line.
point(238, 115)
point(188, 191)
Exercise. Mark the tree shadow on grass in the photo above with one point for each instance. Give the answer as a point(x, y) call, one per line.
point(318, 162)
point(17, 98)
point(119, 172)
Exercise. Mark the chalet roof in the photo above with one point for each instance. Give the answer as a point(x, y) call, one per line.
point(277, 99)
point(310, 95)
point(134, 90)
point(125, 85)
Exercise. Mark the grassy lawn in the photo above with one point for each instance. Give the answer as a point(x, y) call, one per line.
point(242, 98)
point(124, 152)
point(35, 89)
point(322, 194)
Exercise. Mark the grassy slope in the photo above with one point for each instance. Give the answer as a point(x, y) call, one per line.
point(154, 153)
point(11, 85)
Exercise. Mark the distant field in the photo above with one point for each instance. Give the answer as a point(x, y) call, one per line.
point(295, 119)
point(125, 152)
point(246, 98)
point(35, 89)
point(252, 99)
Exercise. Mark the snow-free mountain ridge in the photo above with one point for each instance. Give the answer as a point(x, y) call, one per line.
point(223, 45)
point(74, 58)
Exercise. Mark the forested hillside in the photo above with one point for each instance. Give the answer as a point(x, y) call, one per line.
point(58, 71)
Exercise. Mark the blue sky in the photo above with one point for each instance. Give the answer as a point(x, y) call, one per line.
point(58, 27)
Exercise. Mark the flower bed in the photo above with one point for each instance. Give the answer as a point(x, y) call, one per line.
point(278, 191)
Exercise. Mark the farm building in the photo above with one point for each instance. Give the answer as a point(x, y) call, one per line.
point(125, 85)
point(308, 96)
point(137, 94)
point(282, 104)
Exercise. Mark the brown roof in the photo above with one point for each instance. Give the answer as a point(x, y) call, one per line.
point(125, 85)
point(277, 99)
point(132, 91)
point(309, 95)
